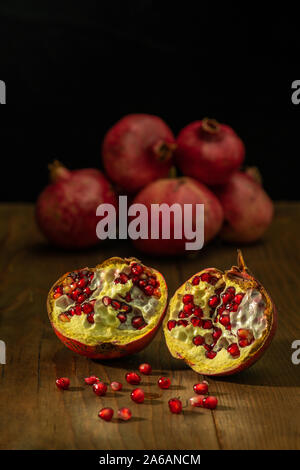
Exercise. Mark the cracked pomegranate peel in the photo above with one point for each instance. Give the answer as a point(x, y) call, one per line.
point(108, 311)
point(220, 323)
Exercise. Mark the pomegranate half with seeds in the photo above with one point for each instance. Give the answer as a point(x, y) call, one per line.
point(220, 322)
point(109, 311)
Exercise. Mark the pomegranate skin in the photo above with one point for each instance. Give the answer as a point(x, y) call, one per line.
point(66, 208)
point(209, 151)
point(248, 210)
point(138, 149)
point(182, 190)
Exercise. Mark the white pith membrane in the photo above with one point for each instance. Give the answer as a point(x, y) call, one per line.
point(244, 334)
point(106, 323)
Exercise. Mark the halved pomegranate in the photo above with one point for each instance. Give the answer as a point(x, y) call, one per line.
point(108, 311)
point(229, 320)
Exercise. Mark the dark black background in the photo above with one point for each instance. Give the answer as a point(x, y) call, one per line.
point(72, 71)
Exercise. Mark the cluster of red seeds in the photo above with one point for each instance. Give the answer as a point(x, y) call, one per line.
point(142, 278)
point(76, 287)
point(221, 305)
point(123, 309)
point(200, 400)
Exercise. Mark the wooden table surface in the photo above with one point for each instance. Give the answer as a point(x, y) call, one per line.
point(258, 408)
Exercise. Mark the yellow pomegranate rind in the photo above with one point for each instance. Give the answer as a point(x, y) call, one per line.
point(97, 340)
point(223, 363)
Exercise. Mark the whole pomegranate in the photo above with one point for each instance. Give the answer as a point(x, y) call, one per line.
point(209, 151)
point(248, 210)
point(109, 311)
point(220, 322)
point(182, 191)
point(66, 208)
point(138, 149)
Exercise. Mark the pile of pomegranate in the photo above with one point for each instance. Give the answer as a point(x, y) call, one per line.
point(139, 154)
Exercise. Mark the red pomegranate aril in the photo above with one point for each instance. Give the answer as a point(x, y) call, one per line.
point(171, 324)
point(149, 290)
point(197, 401)
point(164, 383)
point(224, 320)
point(145, 368)
point(196, 281)
point(207, 324)
point(137, 395)
point(187, 299)
point(188, 309)
point(243, 343)
point(78, 310)
point(90, 318)
point(116, 386)
point(106, 414)
point(64, 317)
point(210, 354)
point(175, 405)
point(142, 283)
point(210, 402)
point(233, 350)
point(81, 298)
point(196, 321)
point(87, 308)
point(82, 283)
point(198, 312)
point(133, 378)
point(214, 301)
point(183, 323)
point(220, 309)
point(244, 333)
point(138, 322)
point(63, 383)
point(182, 314)
point(234, 307)
point(205, 277)
point(136, 269)
point(152, 281)
point(238, 298)
point(123, 278)
point(91, 380)
point(128, 297)
point(100, 389)
point(87, 291)
point(115, 304)
point(122, 317)
point(106, 301)
point(124, 414)
point(227, 297)
point(217, 333)
point(201, 388)
point(231, 290)
point(198, 340)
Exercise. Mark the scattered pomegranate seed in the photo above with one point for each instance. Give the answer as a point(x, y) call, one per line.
point(209, 402)
point(100, 389)
point(124, 414)
point(233, 350)
point(214, 301)
point(196, 281)
point(164, 383)
point(201, 388)
point(133, 378)
point(187, 298)
point(197, 401)
point(106, 414)
point(116, 386)
point(145, 368)
point(171, 324)
point(63, 383)
point(137, 395)
point(198, 340)
point(175, 405)
point(92, 380)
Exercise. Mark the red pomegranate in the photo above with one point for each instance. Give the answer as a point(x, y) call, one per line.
point(109, 311)
point(181, 191)
point(66, 209)
point(229, 321)
point(137, 150)
point(209, 151)
point(248, 210)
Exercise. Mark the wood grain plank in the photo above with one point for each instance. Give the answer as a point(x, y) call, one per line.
point(259, 408)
